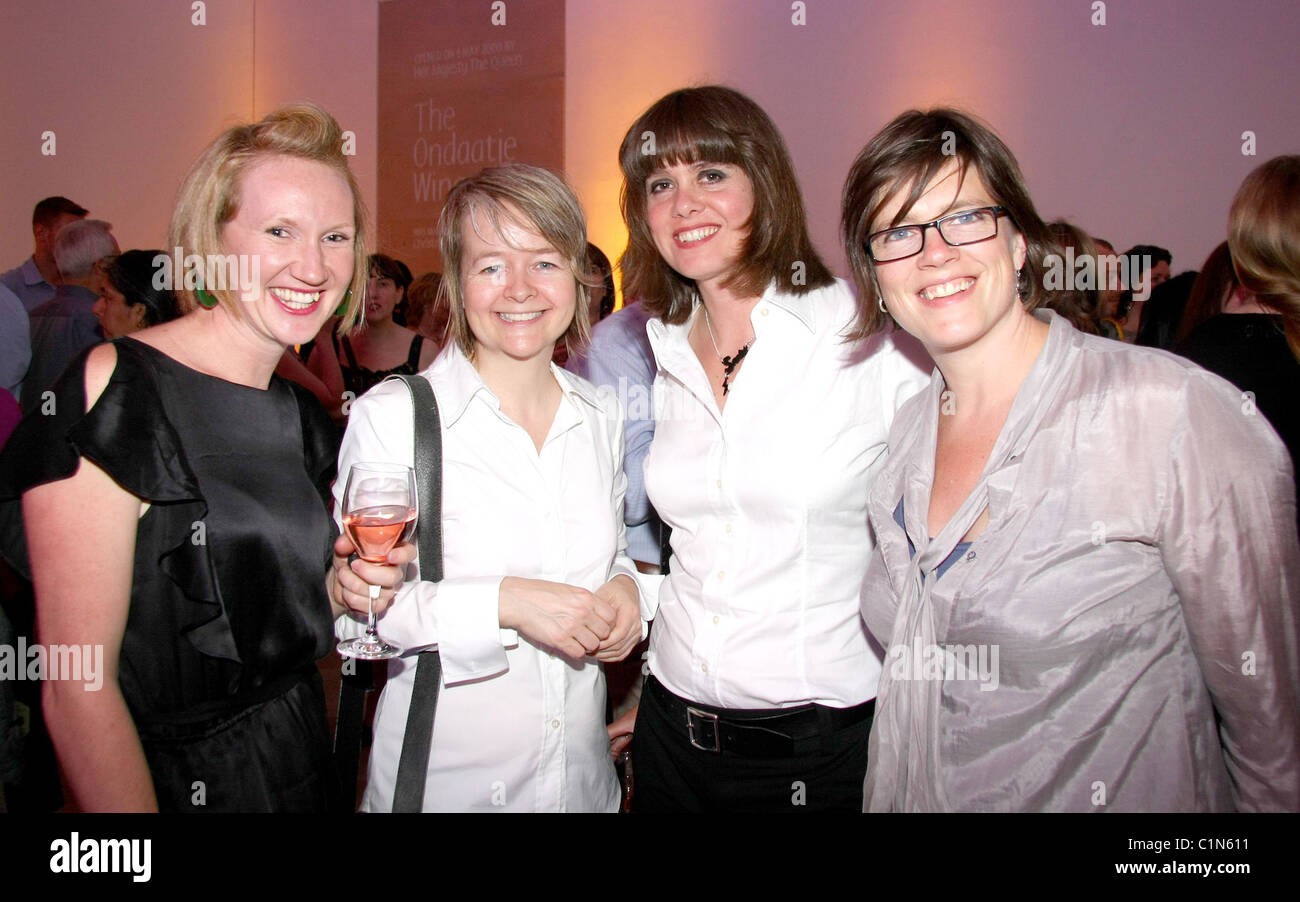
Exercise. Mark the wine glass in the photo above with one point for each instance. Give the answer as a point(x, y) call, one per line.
point(379, 511)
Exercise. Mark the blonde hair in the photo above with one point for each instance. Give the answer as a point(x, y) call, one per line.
point(1264, 238)
point(504, 194)
point(209, 196)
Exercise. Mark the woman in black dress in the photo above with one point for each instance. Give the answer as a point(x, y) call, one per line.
point(175, 501)
point(357, 362)
point(1254, 341)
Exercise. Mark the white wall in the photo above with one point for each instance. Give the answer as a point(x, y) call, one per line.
point(1131, 129)
point(133, 91)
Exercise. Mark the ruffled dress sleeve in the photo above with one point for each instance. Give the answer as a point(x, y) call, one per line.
point(126, 434)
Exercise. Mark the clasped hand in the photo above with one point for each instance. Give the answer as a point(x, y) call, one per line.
point(577, 623)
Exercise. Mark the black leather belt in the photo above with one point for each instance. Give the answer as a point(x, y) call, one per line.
point(770, 733)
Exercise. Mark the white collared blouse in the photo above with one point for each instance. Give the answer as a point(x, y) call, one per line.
point(767, 500)
point(518, 728)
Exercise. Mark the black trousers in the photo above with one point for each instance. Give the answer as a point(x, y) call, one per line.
point(672, 775)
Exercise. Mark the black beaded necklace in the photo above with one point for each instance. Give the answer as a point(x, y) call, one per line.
point(729, 364)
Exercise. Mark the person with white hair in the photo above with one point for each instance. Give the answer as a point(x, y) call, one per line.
point(66, 325)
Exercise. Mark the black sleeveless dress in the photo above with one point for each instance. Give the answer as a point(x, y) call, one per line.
point(228, 607)
point(359, 380)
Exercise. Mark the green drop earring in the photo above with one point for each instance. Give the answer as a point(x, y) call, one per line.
point(206, 300)
point(343, 305)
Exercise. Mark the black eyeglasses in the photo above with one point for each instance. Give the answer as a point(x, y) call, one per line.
point(966, 227)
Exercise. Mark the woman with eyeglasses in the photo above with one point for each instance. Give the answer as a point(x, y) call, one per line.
point(1055, 641)
point(769, 427)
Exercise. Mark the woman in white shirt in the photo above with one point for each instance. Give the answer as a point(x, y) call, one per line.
point(537, 589)
point(769, 429)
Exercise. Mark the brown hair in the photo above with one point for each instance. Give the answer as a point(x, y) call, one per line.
point(421, 297)
point(1078, 305)
point(387, 267)
point(209, 196)
point(1210, 291)
point(715, 124)
point(504, 194)
point(1264, 237)
point(907, 154)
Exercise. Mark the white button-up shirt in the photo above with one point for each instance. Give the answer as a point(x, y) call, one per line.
point(518, 728)
point(767, 500)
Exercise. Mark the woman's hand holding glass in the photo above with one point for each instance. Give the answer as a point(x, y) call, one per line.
point(352, 581)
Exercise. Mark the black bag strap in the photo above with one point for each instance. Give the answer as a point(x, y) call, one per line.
point(357, 680)
point(413, 765)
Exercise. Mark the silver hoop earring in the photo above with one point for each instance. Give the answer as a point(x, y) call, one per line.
point(880, 302)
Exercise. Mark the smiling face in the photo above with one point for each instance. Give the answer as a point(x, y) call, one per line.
point(699, 218)
point(951, 297)
point(295, 220)
point(518, 291)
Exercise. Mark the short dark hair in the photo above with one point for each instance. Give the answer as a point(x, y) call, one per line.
point(387, 267)
point(1141, 251)
point(907, 154)
point(715, 124)
point(48, 211)
point(132, 274)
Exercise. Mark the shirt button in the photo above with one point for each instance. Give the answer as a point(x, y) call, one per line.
point(717, 619)
point(728, 529)
point(718, 483)
point(970, 555)
point(556, 723)
point(722, 574)
point(704, 667)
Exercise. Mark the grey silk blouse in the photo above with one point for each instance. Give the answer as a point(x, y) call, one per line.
point(1139, 575)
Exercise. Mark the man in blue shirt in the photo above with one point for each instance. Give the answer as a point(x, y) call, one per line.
point(66, 324)
point(15, 342)
point(34, 280)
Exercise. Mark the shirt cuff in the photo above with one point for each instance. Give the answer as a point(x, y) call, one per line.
point(647, 589)
point(458, 616)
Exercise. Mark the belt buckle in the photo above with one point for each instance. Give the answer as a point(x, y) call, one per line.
point(705, 717)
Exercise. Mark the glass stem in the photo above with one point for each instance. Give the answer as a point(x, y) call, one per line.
point(371, 633)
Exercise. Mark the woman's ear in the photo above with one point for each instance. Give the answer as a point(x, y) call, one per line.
point(138, 315)
point(1020, 251)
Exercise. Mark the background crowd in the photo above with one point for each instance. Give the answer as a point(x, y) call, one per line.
point(812, 484)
